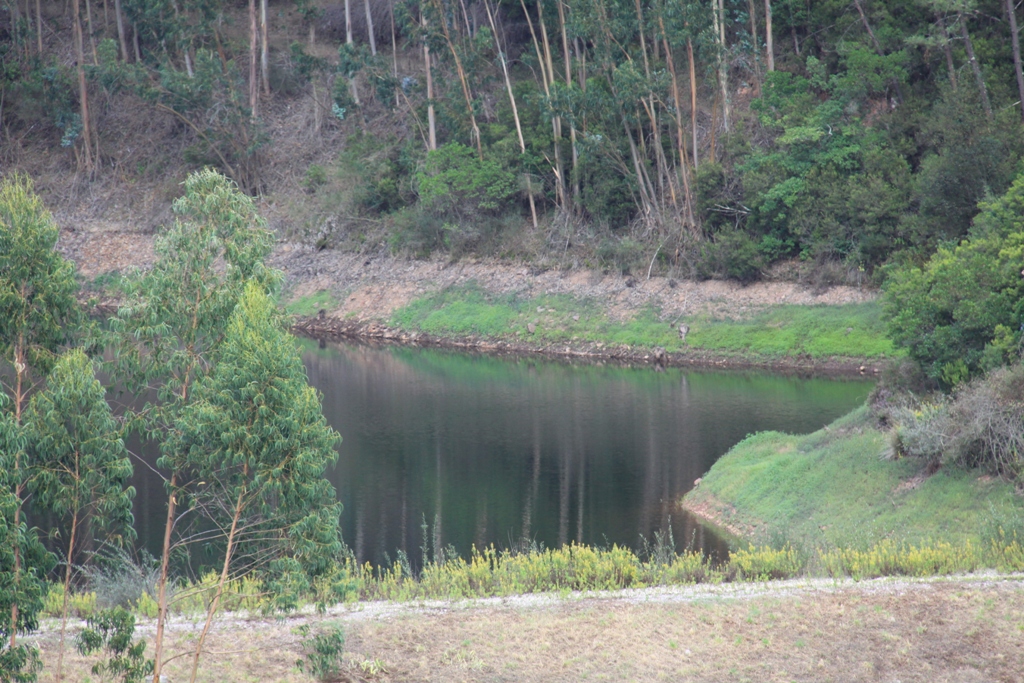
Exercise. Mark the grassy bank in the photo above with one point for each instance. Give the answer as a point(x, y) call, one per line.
point(831, 489)
point(849, 331)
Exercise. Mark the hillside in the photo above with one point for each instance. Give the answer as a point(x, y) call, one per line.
point(689, 140)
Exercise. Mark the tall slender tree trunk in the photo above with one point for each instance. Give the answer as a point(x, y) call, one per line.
point(769, 49)
point(264, 48)
point(135, 42)
point(83, 92)
point(975, 67)
point(318, 116)
point(649, 105)
point(348, 41)
point(120, 30)
point(693, 100)
point(572, 128)
point(431, 122)
point(718, 12)
point(950, 67)
point(161, 614)
point(394, 48)
point(39, 27)
point(546, 79)
point(348, 22)
point(463, 81)
point(556, 121)
point(680, 139)
point(1015, 42)
point(254, 87)
point(212, 610)
point(92, 34)
point(67, 591)
point(369, 29)
point(752, 10)
point(15, 28)
point(515, 109)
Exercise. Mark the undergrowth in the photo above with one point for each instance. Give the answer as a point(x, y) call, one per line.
point(490, 572)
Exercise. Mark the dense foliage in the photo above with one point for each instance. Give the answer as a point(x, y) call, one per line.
point(962, 312)
point(200, 330)
point(722, 136)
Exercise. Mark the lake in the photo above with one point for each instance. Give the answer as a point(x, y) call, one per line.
point(452, 449)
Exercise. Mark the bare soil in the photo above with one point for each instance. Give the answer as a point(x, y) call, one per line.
point(369, 288)
point(960, 629)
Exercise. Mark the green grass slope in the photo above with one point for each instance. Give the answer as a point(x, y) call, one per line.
point(850, 331)
point(831, 488)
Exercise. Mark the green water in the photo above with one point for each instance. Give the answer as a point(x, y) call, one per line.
point(517, 451)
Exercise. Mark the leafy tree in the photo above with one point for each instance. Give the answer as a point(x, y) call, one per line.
point(78, 461)
point(175, 316)
point(24, 564)
point(256, 436)
point(38, 313)
point(961, 313)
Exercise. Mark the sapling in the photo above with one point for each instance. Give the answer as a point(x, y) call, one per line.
point(79, 464)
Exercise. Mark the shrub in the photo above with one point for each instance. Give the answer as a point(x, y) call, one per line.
point(734, 254)
point(112, 630)
point(891, 558)
point(80, 604)
point(118, 580)
point(621, 254)
point(321, 651)
point(979, 426)
point(456, 182)
point(766, 563)
point(961, 313)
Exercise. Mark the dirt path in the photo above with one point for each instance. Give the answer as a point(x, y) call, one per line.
point(959, 629)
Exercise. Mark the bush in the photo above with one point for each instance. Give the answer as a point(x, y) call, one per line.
point(321, 652)
point(80, 604)
point(979, 426)
point(961, 313)
point(766, 563)
point(112, 630)
point(118, 580)
point(455, 182)
point(734, 254)
point(891, 558)
point(622, 255)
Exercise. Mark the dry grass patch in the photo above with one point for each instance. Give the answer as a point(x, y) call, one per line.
point(938, 630)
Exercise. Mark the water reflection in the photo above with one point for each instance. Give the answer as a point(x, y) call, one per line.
point(451, 449)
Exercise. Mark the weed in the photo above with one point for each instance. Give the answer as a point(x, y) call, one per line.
point(761, 564)
point(80, 604)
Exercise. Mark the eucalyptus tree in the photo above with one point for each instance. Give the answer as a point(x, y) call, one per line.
point(175, 318)
point(24, 564)
point(38, 313)
point(79, 464)
point(256, 436)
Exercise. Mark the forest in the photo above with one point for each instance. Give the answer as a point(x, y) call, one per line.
point(709, 139)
